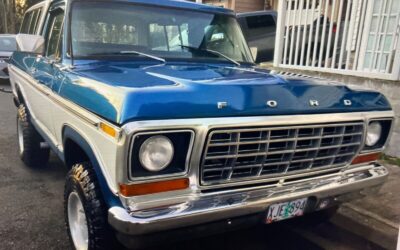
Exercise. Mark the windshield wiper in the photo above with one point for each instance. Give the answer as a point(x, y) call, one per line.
point(132, 52)
point(212, 52)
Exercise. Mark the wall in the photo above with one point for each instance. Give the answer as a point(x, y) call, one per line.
point(249, 5)
point(244, 5)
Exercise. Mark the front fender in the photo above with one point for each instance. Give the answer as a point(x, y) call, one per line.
point(71, 134)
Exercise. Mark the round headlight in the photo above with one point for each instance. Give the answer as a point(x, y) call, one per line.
point(156, 153)
point(373, 134)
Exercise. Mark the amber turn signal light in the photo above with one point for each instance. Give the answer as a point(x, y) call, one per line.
point(366, 158)
point(153, 187)
point(108, 129)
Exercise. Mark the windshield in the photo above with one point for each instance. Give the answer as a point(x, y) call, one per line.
point(112, 29)
point(7, 44)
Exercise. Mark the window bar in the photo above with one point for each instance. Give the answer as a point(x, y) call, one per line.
point(311, 34)
point(296, 54)
point(287, 26)
point(305, 34)
point(360, 31)
point(328, 46)
point(374, 49)
point(353, 15)
point(345, 34)
point(316, 34)
point(389, 66)
point(322, 46)
point(384, 35)
point(293, 33)
point(337, 34)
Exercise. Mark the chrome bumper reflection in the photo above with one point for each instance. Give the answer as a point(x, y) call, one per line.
point(216, 206)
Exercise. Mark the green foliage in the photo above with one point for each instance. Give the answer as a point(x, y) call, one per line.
point(12, 13)
point(391, 160)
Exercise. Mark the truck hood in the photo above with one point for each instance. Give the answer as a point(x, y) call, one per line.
point(122, 92)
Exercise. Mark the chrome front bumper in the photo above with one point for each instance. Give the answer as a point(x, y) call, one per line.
point(220, 205)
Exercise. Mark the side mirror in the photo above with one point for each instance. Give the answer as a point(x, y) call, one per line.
point(254, 52)
point(30, 43)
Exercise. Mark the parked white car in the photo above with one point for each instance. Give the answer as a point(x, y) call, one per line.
point(7, 47)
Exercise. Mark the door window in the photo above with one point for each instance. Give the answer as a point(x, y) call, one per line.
point(54, 34)
point(26, 22)
point(35, 22)
point(31, 22)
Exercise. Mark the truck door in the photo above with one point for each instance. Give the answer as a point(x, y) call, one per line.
point(44, 69)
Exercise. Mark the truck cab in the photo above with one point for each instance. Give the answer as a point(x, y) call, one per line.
point(169, 128)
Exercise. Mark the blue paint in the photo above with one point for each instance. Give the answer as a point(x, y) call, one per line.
point(192, 90)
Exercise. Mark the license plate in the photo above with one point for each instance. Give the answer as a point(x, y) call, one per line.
point(286, 210)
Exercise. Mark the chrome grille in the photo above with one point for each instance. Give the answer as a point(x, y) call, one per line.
point(253, 153)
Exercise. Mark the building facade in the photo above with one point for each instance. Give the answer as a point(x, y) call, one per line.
point(243, 5)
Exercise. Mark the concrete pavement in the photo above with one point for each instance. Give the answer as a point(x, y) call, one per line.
point(375, 217)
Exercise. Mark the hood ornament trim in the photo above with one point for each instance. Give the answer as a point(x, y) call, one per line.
point(314, 103)
point(347, 103)
point(272, 103)
point(222, 105)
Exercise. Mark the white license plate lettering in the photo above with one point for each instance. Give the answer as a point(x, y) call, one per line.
point(286, 210)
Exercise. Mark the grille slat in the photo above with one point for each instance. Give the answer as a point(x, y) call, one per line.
point(245, 153)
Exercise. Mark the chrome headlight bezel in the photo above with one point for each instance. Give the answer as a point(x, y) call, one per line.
point(386, 128)
point(374, 133)
point(182, 141)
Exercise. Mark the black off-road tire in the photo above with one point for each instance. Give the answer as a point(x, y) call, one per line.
point(82, 180)
point(29, 141)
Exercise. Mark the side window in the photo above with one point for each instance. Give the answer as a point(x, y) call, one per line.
point(35, 24)
point(260, 25)
point(54, 34)
point(25, 23)
point(31, 21)
point(34, 19)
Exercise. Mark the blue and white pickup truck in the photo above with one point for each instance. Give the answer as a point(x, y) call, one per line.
point(168, 128)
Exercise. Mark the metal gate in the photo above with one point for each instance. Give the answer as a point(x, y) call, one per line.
point(353, 37)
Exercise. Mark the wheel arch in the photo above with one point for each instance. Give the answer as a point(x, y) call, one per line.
point(77, 149)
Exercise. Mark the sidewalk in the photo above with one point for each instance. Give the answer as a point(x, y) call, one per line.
point(375, 217)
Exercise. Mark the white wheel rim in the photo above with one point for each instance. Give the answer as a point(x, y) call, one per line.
point(20, 136)
point(77, 222)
